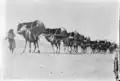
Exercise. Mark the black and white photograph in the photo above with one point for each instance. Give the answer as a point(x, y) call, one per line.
point(66, 40)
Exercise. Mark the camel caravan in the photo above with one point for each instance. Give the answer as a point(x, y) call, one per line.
point(71, 41)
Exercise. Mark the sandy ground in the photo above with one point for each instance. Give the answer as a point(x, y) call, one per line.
point(97, 67)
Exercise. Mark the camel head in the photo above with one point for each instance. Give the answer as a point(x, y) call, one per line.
point(21, 28)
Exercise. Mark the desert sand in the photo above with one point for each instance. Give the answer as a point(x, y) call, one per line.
point(46, 65)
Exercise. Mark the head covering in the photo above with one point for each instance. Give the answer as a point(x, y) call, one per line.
point(10, 31)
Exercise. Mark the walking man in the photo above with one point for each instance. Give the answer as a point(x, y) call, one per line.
point(11, 40)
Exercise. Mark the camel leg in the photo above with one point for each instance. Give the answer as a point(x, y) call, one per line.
point(64, 48)
point(53, 48)
point(77, 49)
point(24, 47)
point(74, 49)
point(67, 49)
point(29, 47)
point(57, 48)
point(38, 47)
point(70, 49)
point(35, 46)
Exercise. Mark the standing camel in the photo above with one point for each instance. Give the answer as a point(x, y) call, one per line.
point(53, 42)
point(55, 36)
point(31, 31)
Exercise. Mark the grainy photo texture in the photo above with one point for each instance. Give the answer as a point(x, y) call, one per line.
point(62, 40)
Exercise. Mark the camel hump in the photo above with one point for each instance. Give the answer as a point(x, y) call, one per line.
point(37, 23)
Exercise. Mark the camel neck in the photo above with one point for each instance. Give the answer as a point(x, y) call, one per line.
point(47, 38)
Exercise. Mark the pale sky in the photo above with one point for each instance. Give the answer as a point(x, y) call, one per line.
point(98, 19)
